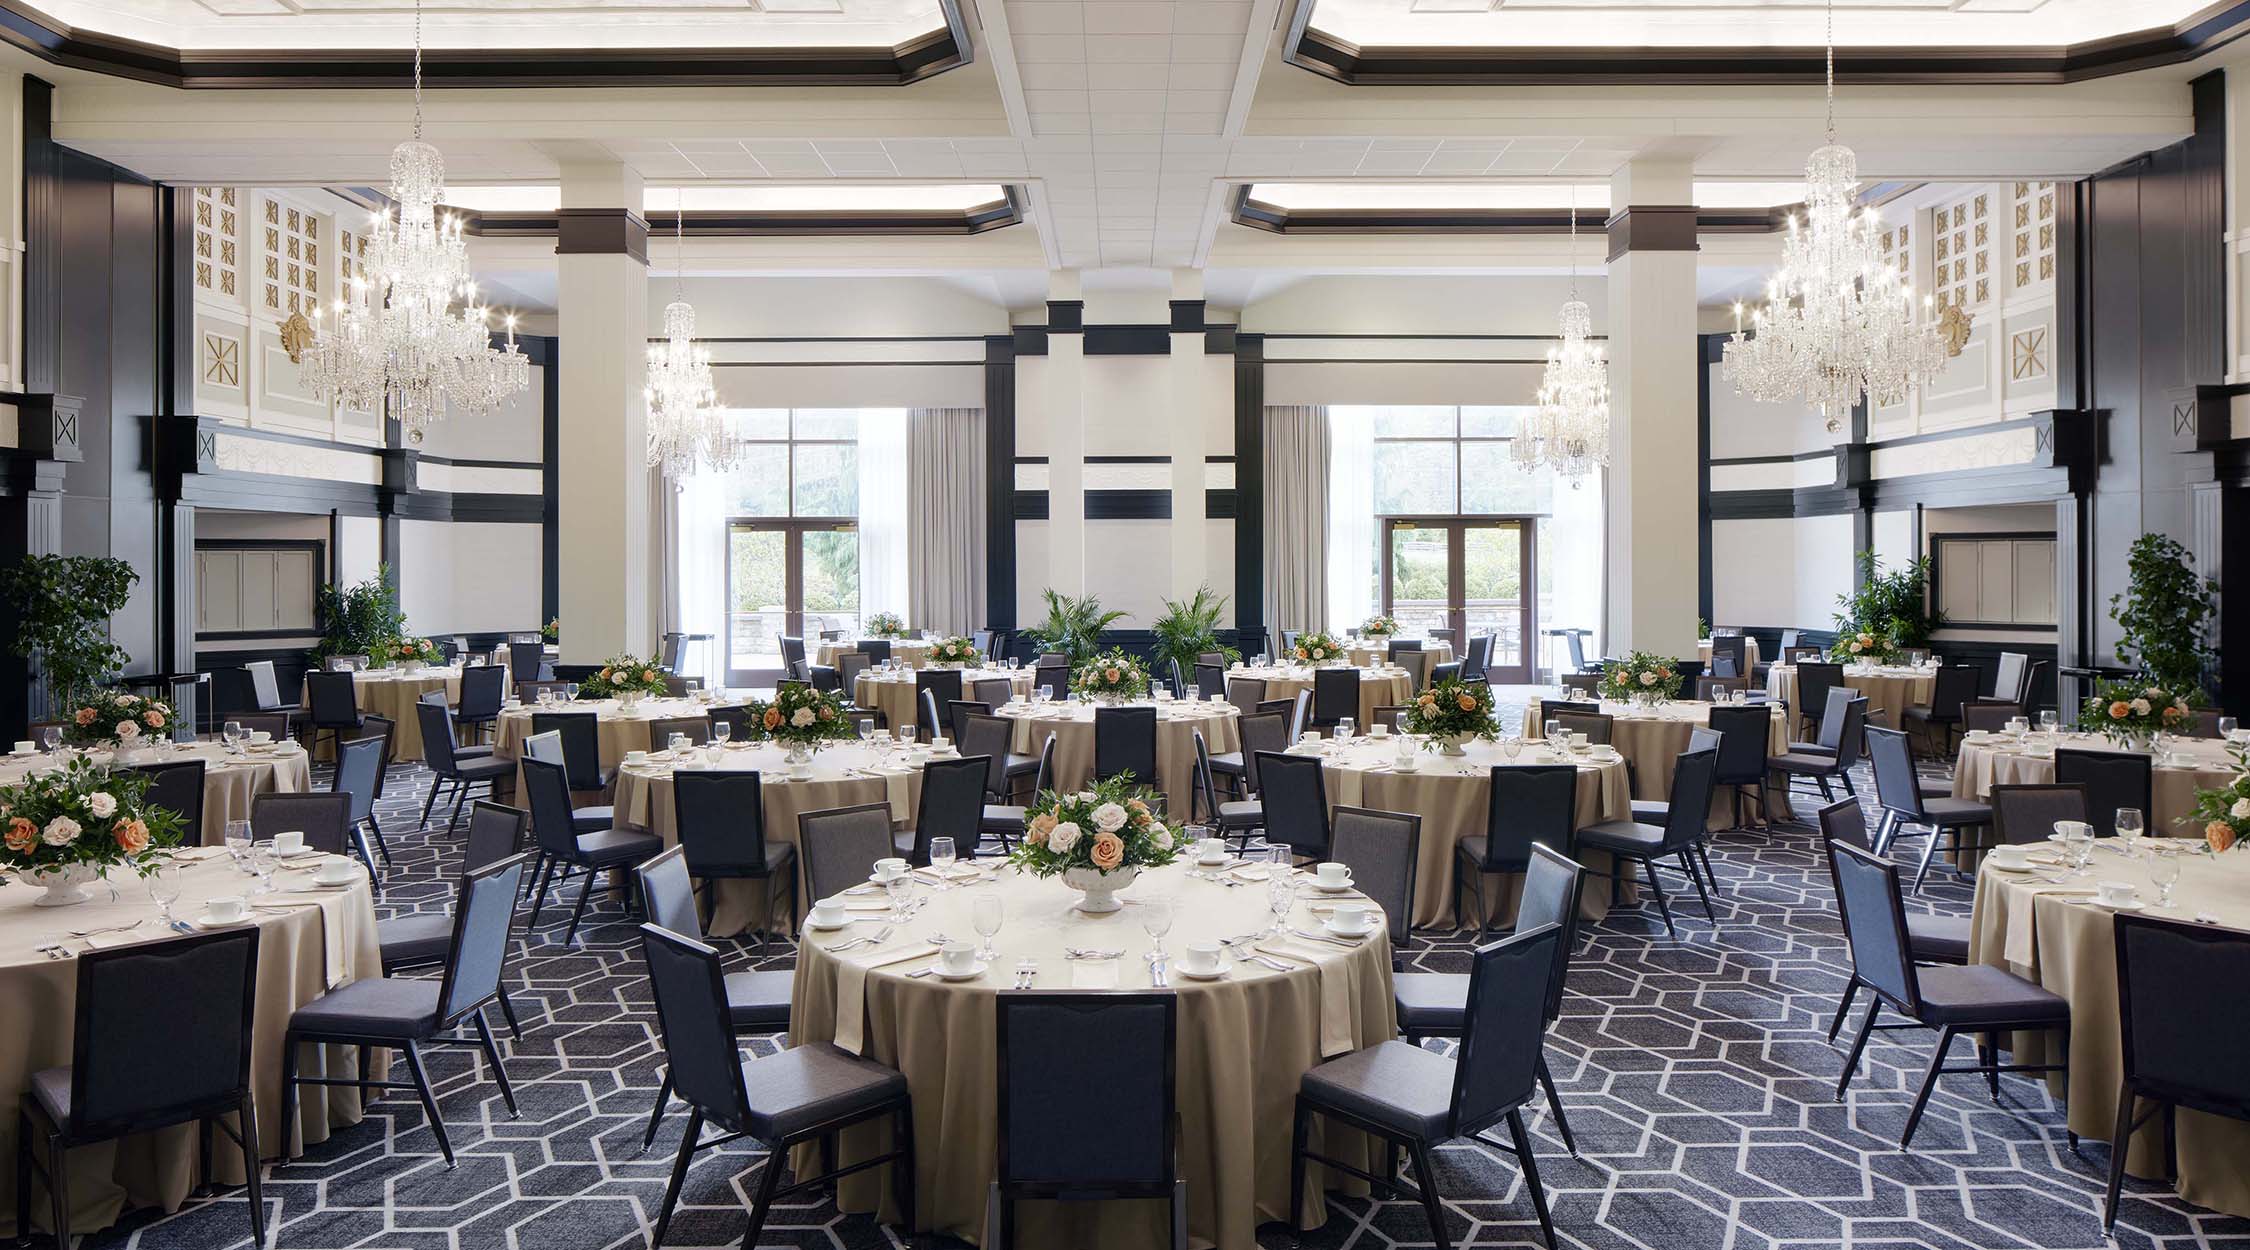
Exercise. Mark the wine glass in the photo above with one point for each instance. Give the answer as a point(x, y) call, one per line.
point(164, 889)
point(1195, 694)
point(2227, 726)
point(941, 858)
point(721, 731)
point(986, 913)
point(1511, 747)
point(898, 888)
point(2050, 722)
point(50, 739)
point(1281, 895)
point(262, 863)
point(2164, 870)
point(2129, 827)
point(231, 734)
point(2081, 846)
point(238, 843)
point(1345, 728)
point(1156, 921)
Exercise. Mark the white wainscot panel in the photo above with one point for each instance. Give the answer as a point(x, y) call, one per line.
point(480, 479)
point(284, 401)
point(1971, 451)
point(2030, 366)
point(1965, 384)
point(221, 367)
point(1128, 476)
point(236, 454)
point(1218, 476)
point(1779, 475)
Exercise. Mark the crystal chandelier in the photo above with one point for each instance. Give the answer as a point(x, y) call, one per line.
point(399, 345)
point(1569, 432)
point(1838, 321)
point(687, 429)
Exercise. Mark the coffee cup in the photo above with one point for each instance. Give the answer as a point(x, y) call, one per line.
point(1333, 874)
point(828, 911)
point(957, 957)
point(1211, 850)
point(2070, 830)
point(336, 870)
point(2010, 855)
point(225, 909)
point(1348, 917)
point(889, 867)
point(2117, 893)
point(260, 737)
point(1577, 742)
point(1309, 737)
point(1378, 730)
point(1201, 958)
point(26, 748)
point(636, 757)
point(288, 842)
point(941, 743)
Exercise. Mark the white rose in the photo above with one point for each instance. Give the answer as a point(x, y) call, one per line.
point(1855, 647)
point(1163, 836)
point(1086, 796)
point(1063, 837)
point(2154, 692)
point(128, 729)
point(1109, 818)
point(2240, 810)
point(2140, 707)
point(102, 805)
point(61, 831)
point(802, 718)
point(1648, 679)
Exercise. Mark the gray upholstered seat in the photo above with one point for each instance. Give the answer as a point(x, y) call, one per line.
point(1803, 763)
point(402, 1007)
point(1621, 835)
point(1395, 1084)
point(1472, 847)
point(616, 846)
point(1242, 814)
point(797, 1088)
point(1950, 811)
point(1651, 811)
point(1943, 938)
point(51, 1087)
point(759, 1000)
point(593, 819)
point(415, 939)
point(1005, 819)
point(1431, 1002)
point(1976, 994)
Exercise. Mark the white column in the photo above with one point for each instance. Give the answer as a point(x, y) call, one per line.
point(603, 509)
point(1653, 563)
point(1193, 414)
point(1066, 445)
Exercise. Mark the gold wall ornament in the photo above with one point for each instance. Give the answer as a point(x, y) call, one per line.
point(1953, 326)
point(296, 337)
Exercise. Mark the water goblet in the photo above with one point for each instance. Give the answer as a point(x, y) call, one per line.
point(50, 739)
point(941, 858)
point(1281, 895)
point(898, 889)
point(677, 744)
point(721, 731)
point(2130, 827)
point(2081, 847)
point(2227, 726)
point(2164, 871)
point(2049, 722)
point(262, 862)
point(1156, 921)
point(1195, 694)
point(238, 843)
point(1511, 747)
point(1345, 728)
point(230, 733)
point(164, 889)
point(986, 913)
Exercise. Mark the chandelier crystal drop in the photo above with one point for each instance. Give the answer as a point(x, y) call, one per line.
point(1569, 431)
point(1839, 321)
point(687, 430)
point(409, 339)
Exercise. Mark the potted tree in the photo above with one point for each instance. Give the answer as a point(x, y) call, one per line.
point(2164, 617)
point(63, 605)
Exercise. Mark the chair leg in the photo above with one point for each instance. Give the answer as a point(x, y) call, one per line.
point(23, 1177)
point(1843, 1007)
point(431, 802)
point(1859, 1045)
point(1988, 1052)
point(656, 1113)
point(384, 848)
point(289, 1092)
point(1554, 1104)
point(585, 893)
point(1929, 1083)
point(1664, 909)
point(1929, 850)
point(2119, 1139)
point(429, 1099)
point(1425, 1180)
point(763, 1203)
point(902, 1171)
point(1689, 865)
point(252, 1183)
point(1179, 1215)
point(1530, 1166)
point(679, 1177)
point(499, 1074)
point(1298, 1136)
point(508, 1009)
point(58, 1188)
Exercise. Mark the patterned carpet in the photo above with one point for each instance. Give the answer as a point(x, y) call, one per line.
point(1696, 1074)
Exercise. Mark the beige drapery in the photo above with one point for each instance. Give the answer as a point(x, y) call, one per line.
point(1296, 467)
point(946, 519)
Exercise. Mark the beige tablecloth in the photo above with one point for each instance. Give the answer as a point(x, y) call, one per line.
point(1176, 723)
point(1379, 685)
point(1889, 690)
point(912, 654)
point(2069, 945)
point(1652, 742)
point(1750, 654)
point(895, 697)
point(392, 693)
point(1996, 761)
point(1245, 1042)
point(644, 799)
point(1364, 651)
point(230, 785)
point(616, 730)
point(302, 951)
point(1452, 795)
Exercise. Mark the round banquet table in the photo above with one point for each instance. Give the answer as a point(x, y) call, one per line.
point(392, 692)
point(1176, 723)
point(230, 784)
point(1245, 1041)
point(1453, 795)
point(312, 942)
point(893, 694)
point(1652, 742)
point(1380, 685)
point(2066, 943)
point(845, 774)
point(1749, 654)
point(1989, 760)
point(617, 729)
point(1889, 691)
point(912, 653)
point(1366, 651)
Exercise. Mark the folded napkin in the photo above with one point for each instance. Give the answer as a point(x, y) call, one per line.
point(2021, 946)
point(851, 988)
point(129, 937)
point(1335, 992)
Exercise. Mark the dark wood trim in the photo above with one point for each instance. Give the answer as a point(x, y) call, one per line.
point(42, 241)
point(1066, 316)
point(1001, 213)
point(544, 357)
point(57, 43)
point(1120, 460)
point(1188, 316)
point(1652, 228)
point(1128, 505)
point(601, 232)
point(1519, 66)
point(1250, 487)
point(1000, 512)
point(1710, 349)
point(1246, 209)
point(1128, 340)
point(1029, 505)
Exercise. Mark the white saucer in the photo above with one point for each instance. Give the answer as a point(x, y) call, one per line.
point(2135, 905)
point(972, 974)
point(1220, 862)
point(818, 927)
point(2013, 871)
point(878, 881)
point(1367, 930)
point(1324, 888)
point(208, 922)
point(1212, 973)
point(299, 853)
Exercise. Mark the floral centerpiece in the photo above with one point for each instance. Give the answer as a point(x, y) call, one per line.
point(1318, 648)
point(552, 631)
point(1865, 647)
point(1642, 677)
point(116, 718)
point(959, 649)
point(1112, 676)
point(1451, 712)
point(2225, 812)
point(885, 625)
point(2131, 712)
point(1096, 840)
point(1379, 627)
point(68, 826)
point(623, 677)
point(801, 719)
point(408, 651)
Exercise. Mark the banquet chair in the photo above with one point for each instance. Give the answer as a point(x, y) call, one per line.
point(1527, 806)
point(1289, 640)
point(1391, 714)
point(2025, 814)
point(1206, 812)
point(1587, 684)
point(1821, 769)
point(1052, 678)
point(345, 663)
point(386, 730)
point(696, 728)
point(876, 649)
point(563, 849)
point(1335, 697)
point(1792, 654)
point(580, 733)
point(2008, 676)
point(527, 661)
point(793, 652)
point(1730, 655)
point(757, 1002)
point(849, 666)
point(527, 692)
point(334, 705)
point(1978, 999)
point(1045, 1106)
point(1476, 658)
point(992, 691)
point(1930, 939)
point(1293, 800)
point(926, 715)
point(325, 818)
point(548, 746)
point(1050, 659)
point(278, 725)
point(1434, 1004)
point(177, 787)
point(2205, 724)
point(841, 844)
point(1418, 664)
point(1397, 647)
point(1741, 767)
point(1007, 821)
point(1297, 707)
point(821, 677)
point(1764, 667)
point(1945, 821)
point(1583, 707)
point(984, 734)
point(1989, 715)
point(1414, 1098)
point(1600, 728)
point(2174, 1052)
point(265, 695)
point(1575, 641)
point(450, 774)
point(982, 640)
point(482, 690)
point(941, 684)
point(1828, 738)
point(796, 1096)
point(1631, 841)
point(2113, 779)
point(735, 718)
point(1814, 681)
point(1450, 671)
point(1210, 679)
point(720, 820)
point(358, 766)
point(1954, 685)
point(1262, 732)
point(407, 1013)
point(1125, 743)
point(679, 686)
point(1381, 849)
point(1172, 680)
point(956, 714)
point(422, 939)
point(1708, 689)
point(951, 806)
point(126, 1077)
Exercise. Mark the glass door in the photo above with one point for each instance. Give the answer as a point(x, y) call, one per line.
point(1469, 576)
point(786, 577)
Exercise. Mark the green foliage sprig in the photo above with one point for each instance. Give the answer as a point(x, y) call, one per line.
point(358, 619)
point(2165, 614)
point(63, 605)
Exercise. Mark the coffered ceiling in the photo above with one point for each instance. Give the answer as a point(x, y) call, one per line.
point(1739, 23)
point(381, 24)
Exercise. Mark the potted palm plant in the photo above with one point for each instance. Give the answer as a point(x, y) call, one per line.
point(1190, 628)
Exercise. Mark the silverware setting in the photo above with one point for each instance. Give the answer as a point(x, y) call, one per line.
point(1081, 952)
point(1310, 936)
point(1158, 976)
point(53, 950)
point(115, 928)
point(869, 940)
point(1027, 971)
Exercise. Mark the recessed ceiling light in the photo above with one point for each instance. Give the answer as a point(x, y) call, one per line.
point(805, 198)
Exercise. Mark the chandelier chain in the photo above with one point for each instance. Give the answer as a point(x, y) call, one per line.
point(1830, 41)
point(417, 69)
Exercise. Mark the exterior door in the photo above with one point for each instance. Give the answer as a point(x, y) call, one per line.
point(1470, 576)
point(786, 577)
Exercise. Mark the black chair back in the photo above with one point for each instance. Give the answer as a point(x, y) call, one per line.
point(265, 688)
point(1814, 680)
point(1954, 685)
point(1261, 732)
point(1742, 744)
point(1550, 708)
point(992, 691)
point(1382, 849)
point(985, 736)
point(527, 661)
point(668, 893)
point(437, 738)
point(1729, 656)
point(1588, 684)
point(1497, 1066)
point(736, 719)
point(690, 989)
point(1398, 646)
point(660, 731)
point(2182, 1042)
point(334, 700)
point(1335, 694)
point(1125, 742)
point(125, 1074)
point(482, 915)
point(482, 689)
point(824, 678)
point(1246, 693)
point(1989, 715)
point(1896, 787)
point(876, 649)
point(1445, 672)
point(926, 715)
point(1551, 884)
point(952, 806)
point(2026, 814)
point(1693, 779)
point(943, 684)
point(957, 713)
point(1844, 822)
point(1044, 1107)
point(1052, 678)
point(1477, 658)
point(324, 819)
point(581, 744)
point(1291, 711)
point(1210, 679)
point(849, 665)
point(177, 787)
point(1831, 734)
point(1295, 796)
point(383, 727)
point(1875, 924)
point(1599, 727)
point(2113, 779)
point(359, 764)
point(840, 845)
point(721, 818)
point(1529, 805)
point(548, 789)
point(495, 833)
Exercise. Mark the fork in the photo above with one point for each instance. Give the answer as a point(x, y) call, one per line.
point(115, 928)
point(877, 936)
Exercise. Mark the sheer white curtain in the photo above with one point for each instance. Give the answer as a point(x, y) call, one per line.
point(883, 504)
point(1351, 516)
point(699, 578)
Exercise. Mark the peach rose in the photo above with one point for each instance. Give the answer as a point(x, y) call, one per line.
point(2218, 833)
point(1035, 837)
point(2120, 710)
point(132, 836)
point(1136, 807)
point(22, 835)
point(155, 719)
point(827, 713)
point(772, 718)
point(1108, 851)
point(2173, 713)
point(85, 716)
point(1468, 702)
point(1109, 674)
